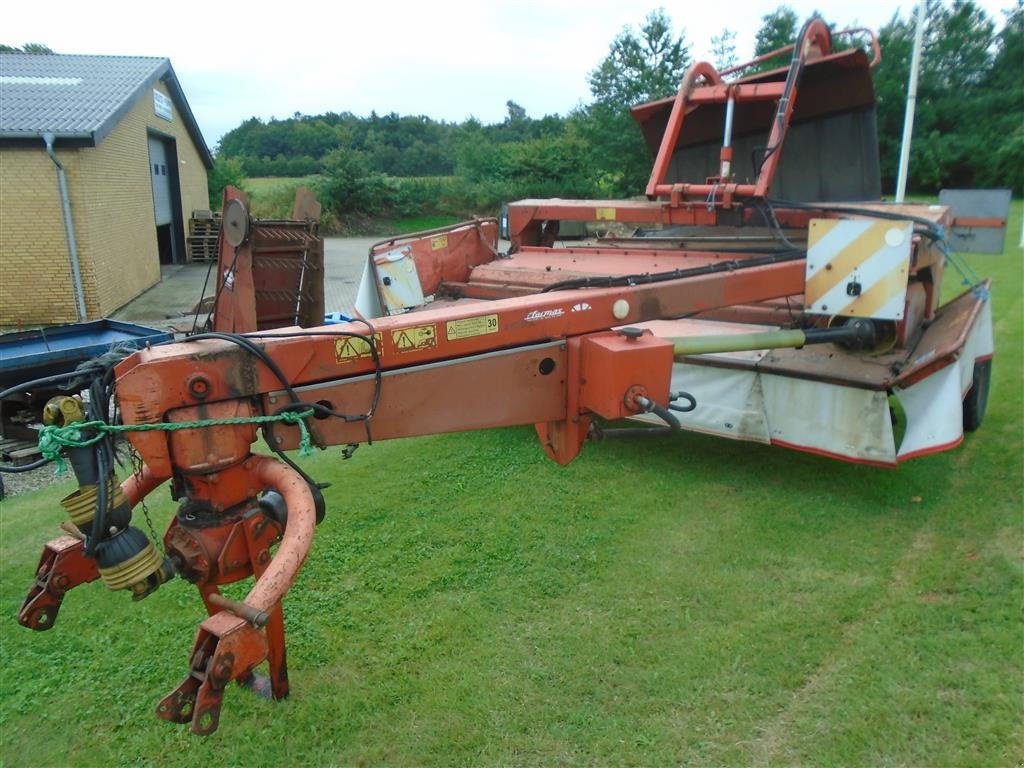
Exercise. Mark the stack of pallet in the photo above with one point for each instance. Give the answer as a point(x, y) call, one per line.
point(203, 230)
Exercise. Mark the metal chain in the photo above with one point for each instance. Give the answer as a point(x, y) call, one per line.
point(136, 462)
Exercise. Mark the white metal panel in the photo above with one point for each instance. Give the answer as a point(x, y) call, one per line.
point(367, 300)
point(858, 268)
point(729, 402)
point(399, 281)
point(828, 418)
point(812, 416)
point(934, 412)
point(159, 173)
point(933, 406)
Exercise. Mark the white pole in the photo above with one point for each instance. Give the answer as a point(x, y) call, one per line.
point(908, 116)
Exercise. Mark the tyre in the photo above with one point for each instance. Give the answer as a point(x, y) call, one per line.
point(977, 397)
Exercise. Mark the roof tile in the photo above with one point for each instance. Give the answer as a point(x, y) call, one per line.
point(68, 94)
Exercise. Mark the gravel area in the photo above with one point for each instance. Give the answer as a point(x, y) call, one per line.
point(23, 482)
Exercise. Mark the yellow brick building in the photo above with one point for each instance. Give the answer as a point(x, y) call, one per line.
point(101, 165)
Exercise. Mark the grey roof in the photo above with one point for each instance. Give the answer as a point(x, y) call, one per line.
point(82, 98)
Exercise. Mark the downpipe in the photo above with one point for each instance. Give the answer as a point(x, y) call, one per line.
point(69, 227)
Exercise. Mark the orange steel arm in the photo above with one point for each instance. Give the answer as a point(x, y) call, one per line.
point(160, 380)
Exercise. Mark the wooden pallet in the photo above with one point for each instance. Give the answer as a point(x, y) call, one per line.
point(18, 452)
point(204, 227)
point(203, 231)
point(202, 248)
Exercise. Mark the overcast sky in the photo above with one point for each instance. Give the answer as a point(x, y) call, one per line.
point(447, 60)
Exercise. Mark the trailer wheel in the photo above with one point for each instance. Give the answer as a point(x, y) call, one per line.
point(977, 397)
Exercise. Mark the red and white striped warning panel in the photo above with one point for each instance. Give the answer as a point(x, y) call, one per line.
point(858, 267)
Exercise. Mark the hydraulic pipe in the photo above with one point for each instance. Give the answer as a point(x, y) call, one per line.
point(137, 486)
point(275, 582)
point(725, 169)
point(258, 619)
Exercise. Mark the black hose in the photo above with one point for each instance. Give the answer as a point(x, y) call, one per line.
point(932, 230)
point(793, 77)
point(671, 423)
point(99, 521)
point(686, 396)
point(13, 469)
point(44, 381)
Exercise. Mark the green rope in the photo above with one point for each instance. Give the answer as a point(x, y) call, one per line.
point(53, 438)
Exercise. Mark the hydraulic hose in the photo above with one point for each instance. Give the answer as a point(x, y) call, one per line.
point(648, 406)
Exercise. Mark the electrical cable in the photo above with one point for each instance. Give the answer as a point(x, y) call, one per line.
point(220, 285)
point(202, 295)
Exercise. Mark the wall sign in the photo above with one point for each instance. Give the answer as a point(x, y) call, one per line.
point(162, 106)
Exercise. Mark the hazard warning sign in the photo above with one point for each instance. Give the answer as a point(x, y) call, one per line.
point(415, 338)
point(347, 349)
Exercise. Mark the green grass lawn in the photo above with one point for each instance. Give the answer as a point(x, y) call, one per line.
point(696, 601)
point(264, 184)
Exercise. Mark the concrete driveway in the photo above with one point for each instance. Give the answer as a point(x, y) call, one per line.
point(170, 303)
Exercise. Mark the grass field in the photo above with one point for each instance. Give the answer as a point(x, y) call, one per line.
point(272, 196)
point(698, 601)
point(264, 184)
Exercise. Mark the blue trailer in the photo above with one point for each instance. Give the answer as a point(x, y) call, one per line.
point(32, 355)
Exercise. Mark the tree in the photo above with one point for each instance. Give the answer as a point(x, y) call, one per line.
point(639, 67)
point(642, 67)
point(225, 172)
point(1004, 167)
point(970, 107)
point(26, 48)
point(723, 50)
point(778, 29)
point(516, 114)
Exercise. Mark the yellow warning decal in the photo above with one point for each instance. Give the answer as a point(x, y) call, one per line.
point(472, 326)
point(604, 214)
point(439, 242)
point(348, 349)
point(415, 338)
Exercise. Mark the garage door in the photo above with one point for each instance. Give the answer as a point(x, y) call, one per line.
point(159, 174)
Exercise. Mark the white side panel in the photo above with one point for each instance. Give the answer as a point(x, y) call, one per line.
point(934, 411)
point(850, 423)
point(161, 181)
point(729, 402)
point(979, 345)
point(828, 418)
point(367, 301)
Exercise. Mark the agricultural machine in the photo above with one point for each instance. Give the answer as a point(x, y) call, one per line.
point(768, 300)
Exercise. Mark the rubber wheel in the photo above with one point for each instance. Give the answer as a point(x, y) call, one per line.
point(977, 397)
